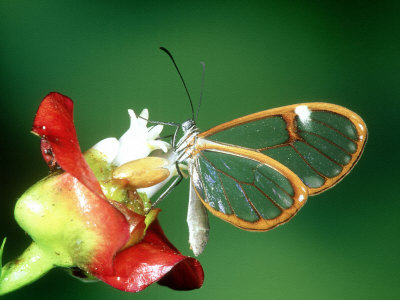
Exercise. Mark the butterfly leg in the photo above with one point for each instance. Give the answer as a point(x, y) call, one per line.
point(171, 186)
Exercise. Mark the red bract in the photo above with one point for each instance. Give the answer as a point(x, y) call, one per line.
point(54, 123)
point(128, 268)
point(152, 259)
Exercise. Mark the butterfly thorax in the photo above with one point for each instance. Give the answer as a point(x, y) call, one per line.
point(187, 143)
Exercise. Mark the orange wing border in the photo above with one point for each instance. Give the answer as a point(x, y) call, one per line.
point(299, 197)
point(288, 114)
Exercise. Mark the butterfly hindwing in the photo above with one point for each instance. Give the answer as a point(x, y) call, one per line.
point(319, 142)
point(244, 187)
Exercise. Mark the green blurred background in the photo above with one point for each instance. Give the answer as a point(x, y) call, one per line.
point(104, 55)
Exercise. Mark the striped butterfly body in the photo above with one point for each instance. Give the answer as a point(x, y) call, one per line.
point(257, 171)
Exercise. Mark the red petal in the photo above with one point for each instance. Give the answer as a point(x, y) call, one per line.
point(152, 260)
point(54, 123)
point(187, 275)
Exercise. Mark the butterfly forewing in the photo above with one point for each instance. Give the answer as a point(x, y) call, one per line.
point(319, 142)
point(246, 188)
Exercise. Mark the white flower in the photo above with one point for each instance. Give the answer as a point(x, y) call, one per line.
point(137, 142)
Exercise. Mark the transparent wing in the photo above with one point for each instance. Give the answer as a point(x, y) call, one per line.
point(246, 188)
point(319, 142)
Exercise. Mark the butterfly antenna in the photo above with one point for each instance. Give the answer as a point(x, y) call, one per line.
point(202, 87)
point(180, 75)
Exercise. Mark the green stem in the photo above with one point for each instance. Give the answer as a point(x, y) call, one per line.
point(31, 265)
point(1, 255)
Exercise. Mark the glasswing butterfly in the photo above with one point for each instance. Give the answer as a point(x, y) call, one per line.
point(257, 171)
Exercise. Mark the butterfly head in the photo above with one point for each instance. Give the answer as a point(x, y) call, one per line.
point(190, 131)
point(188, 126)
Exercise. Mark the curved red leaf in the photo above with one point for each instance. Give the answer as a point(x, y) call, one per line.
point(54, 123)
point(186, 275)
point(154, 259)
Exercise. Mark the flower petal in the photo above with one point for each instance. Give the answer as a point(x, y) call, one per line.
point(154, 144)
point(186, 275)
point(54, 123)
point(149, 261)
point(143, 117)
point(133, 119)
point(109, 147)
point(154, 132)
